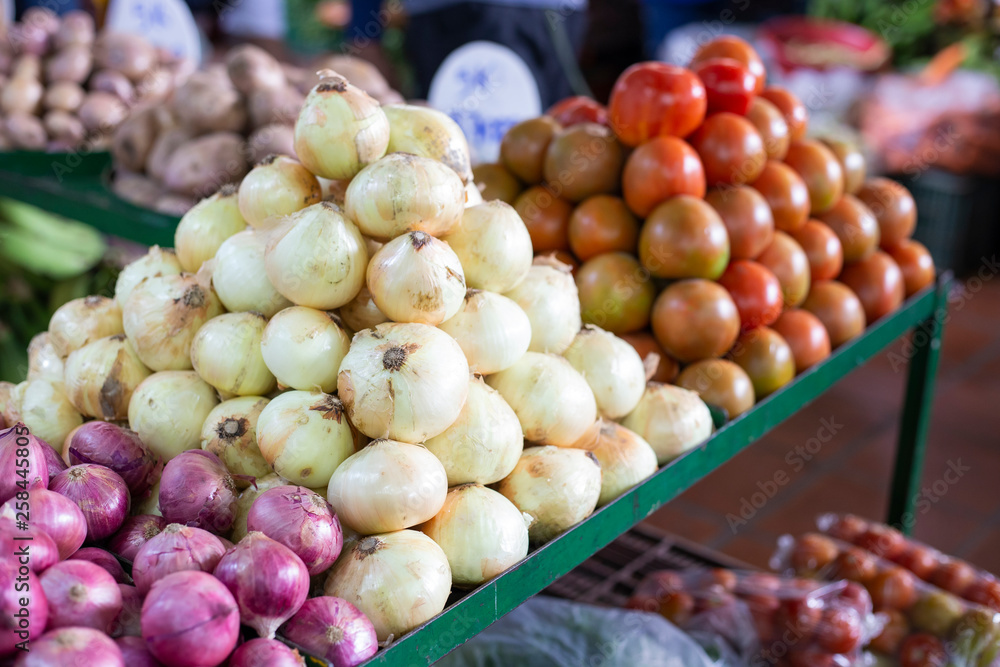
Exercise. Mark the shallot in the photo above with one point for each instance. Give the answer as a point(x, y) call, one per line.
point(197, 490)
point(333, 629)
point(100, 493)
point(135, 532)
point(81, 594)
point(303, 521)
point(53, 513)
point(176, 549)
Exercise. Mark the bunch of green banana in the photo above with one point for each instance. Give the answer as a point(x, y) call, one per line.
point(47, 244)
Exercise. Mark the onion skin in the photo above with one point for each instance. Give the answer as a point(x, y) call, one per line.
point(134, 533)
point(265, 653)
point(304, 348)
point(301, 520)
point(671, 419)
point(101, 376)
point(177, 549)
point(429, 133)
point(155, 263)
point(492, 331)
point(103, 560)
point(18, 445)
point(246, 500)
point(612, 368)
point(81, 594)
point(204, 227)
point(493, 245)
point(239, 277)
point(101, 494)
point(10, 604)
point(43, 360)
point(114, 447)
point(550, 298)
point(230, 432)
point(277, 186)
point(73, 646)
point(135, 653)
point(333, 629)
point(128, 621)
point(56, 515)
point(44, 553)
point(168, 410)
point(197, 490)
point(626, 459)
point(80, 321)
point(47, 412)
point(55, 462)
point(226, 354)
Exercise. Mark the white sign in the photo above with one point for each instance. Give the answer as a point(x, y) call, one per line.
point(486, 88)
point(168, 24)
point(8, 13)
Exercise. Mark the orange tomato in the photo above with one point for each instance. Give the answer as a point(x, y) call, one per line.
point(602, 224)
point(822, 247)
point(546, 217)
point(658, 170)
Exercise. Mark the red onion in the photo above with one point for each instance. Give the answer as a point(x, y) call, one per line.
point(104, 560)
point(267, 579)
point(265, 653)
point(334, 629)
point(42, 551)
point(303, 521)
point(190, 619)
point(16, 625)
point(114, 447)
point(135, 532)
point(99, 492)
point(56, 464)
point(128, 623)
point(226, 543)
point(197, 490)
point(81, 594)
point(72, 646)
point(135, 652)
point(55, 514)
point(176, 549)
point(17, 445)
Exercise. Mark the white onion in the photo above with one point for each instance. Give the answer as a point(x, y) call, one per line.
point(10, 401)
point(362, 313)
point(226, 354)
point(47, 412)
point(671, 419)
point(406, 382)
point(550, 398)
point(387, 486)
point(484, 443)
point(492, 331)
point(403, 193)
point(246, 500)
point(316, 257)
point(155, 263)
point(429, 133)
point(230, 432)
point(304, 436)
point(239, 277)
point(548, 295)
point(473, 197)
point(277, 186)
point(80, 321)
point(168, 409)
point(205, 226)
point(303, 347)
point(557, 486)
point(493, 245)
point(398, 580)
point(481, 533)
point(626, 459)
point(101, 376)
point(612, 368)
point(44, 363)
point(416, 278)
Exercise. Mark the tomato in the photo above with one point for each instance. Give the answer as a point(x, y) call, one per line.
point(789, 264)
point(953, 576)
point(878, 282)
point(678, 608)
point(730, 148)
point(916, 263)
point(791, 108)
point(893, 207)
point(717, 576)
point(546, 217)
point(918, 559)
point(848, 528)
point(747, 218)
point(820, 171)
point(695, 319)
point(721, 383)
point(755, 290)
point(856, 227)
point(893, 588)
point(729, 86)
point(805, 335)
point(772, 128)
point(684, 238)
point(811, 553)
point(645, 344)
point(838, 308)
point(896, 629)
point(839, 630)
point(522, 149)
point(852, 163)
point(583, 161)
point(801, 615)
point(812, 657)
point(658, 170)
point(786, 194)
point(855, 564)
point(616, 293)
point(881, 540)
point(985, 592)
point(575, 110)
point(602, 224)
point(766, 358)
point(496, 182)
point(728, 46)
point(922, 650)
point(653, 99)
point(822, 247)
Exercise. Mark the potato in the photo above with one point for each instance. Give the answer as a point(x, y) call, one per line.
point(390, 97)
point(275, 105)
point(131, 55)
point(134, 138)
point(21, 95)
point(251, 68)
point(271, 140)
point(157, 86)
point(299, 79)
point(76, 27)
point(102, 112)
point(163, 147)
point(201, 166)
point(358, 72)
point(28, 66)
point(70, 64)
point(114, 82)
point(172, 204)
point(205, 104)
point(64, 127)
point(136, 188)
point(63, 96)
point(25, 131)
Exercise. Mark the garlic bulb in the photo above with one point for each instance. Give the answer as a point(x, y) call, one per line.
point(163, 314)
point(80, 321)
point(230, 432)
point(481, 533)
point(429, 133)
point(387, 486)
point(248, 495)
point(484, 443)
point(168, 410)
point(403, 193)
point(406, 382)
point(44, 363)
point(316, 257)
point(549, 297)
point(239, 277)
point(550, 398)
point(101, 376)
point(671, 419)
point(303, 347)
point(492, 331)
point(398, 580)
point(557, 487)
point(155, 263)
point(226, 354)
point(416, 278)
point(362, 313)
point(304, 436)
point(277, 186)
point(205, 226)
point(626, 459)
point(612, 368)
point(47, 412)
point(493, 245)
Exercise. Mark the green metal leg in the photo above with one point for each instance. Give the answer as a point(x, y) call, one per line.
point(925, 351)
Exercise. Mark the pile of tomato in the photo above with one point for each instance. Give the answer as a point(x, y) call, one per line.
point(704, 225)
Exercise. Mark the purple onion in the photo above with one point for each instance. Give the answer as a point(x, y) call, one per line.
point(103, 560)
point(267, 579)
point(190, 619)
point(135, 652)
point(177, 549)
point(197, 490)
point(16, 445)
point(332, 628)
point(81, 594)
point(99, 492)
point(226, 543)
point(135, 532)
point(72, 646)
point(265, 653)
point(128, 622)
point(36, 612)
point(55, 514)
point(303, 521)
point(114, 447)
point(56, 464)
point(42, 551)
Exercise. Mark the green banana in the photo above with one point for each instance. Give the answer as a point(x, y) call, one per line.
point(22, 247)
point(54, 230)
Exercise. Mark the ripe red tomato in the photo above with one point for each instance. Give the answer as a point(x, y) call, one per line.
point(695, 319)
point(755, 290)
point(652, 99)
point(820, 171)
point(791, 108)
point(805, 335)
point(986, 592)
point(838, 308)
point(893, 588)
point(772, 128)
point(786, 194)
point(645, 344)
point(918, 559)
point(800, 614)
point(602, 224)
point(766, 358)
point(616, 293)
point(916, 263)
point(739, 50)
point(878, 282)
point(729, 86)
point(852, 162)
point(953, 576)
point(678, 608)
point(855, 564)
point(583, 161)
point(546, 217)
point(811, 553)
point(848, 528)
point(730, 148)
point(896, 629)
point(893, 207)
point(684, 238)
point(822, 247)
point(719, 382)
point(575, 110)
point(856, 227)
point(747, 218)
point(922, 650)
point(660, 169)
point(789, 264)
point(839, 630)
point(522, 149)
point(881, 540)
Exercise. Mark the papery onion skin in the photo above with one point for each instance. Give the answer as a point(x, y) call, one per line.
point(44, 553)
point(23, 464)
point(10, 402)
point(47, 411)
point(103, 560)
point(101, 376)
point(197, 490)
point(226, 354)
point(265, 653)
point(549, 297)
point(246, 500)
point(134, 533)
point(398, 580)
point(80, 321)
point(101, 494)
point(72, 646)
point(206, 226)
point(277, 186)
point(114, 447)
point(493, 245)
point(43, 360)
point(54, 460)
point(176, 548)
point(671, 419)
point(301, 520)
point(333, 629)
point(362, 313)
point(612, 368)
point(168, 410)
point(303, 348)
point(626, 459)
point(429, 133)
point(128, 623)
point(135, 653)
point(492, 331)
point(230, 432)
point(10, 604)
point(56, 515)
point(157, 262)
point(239, 278)
point(81, 594)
